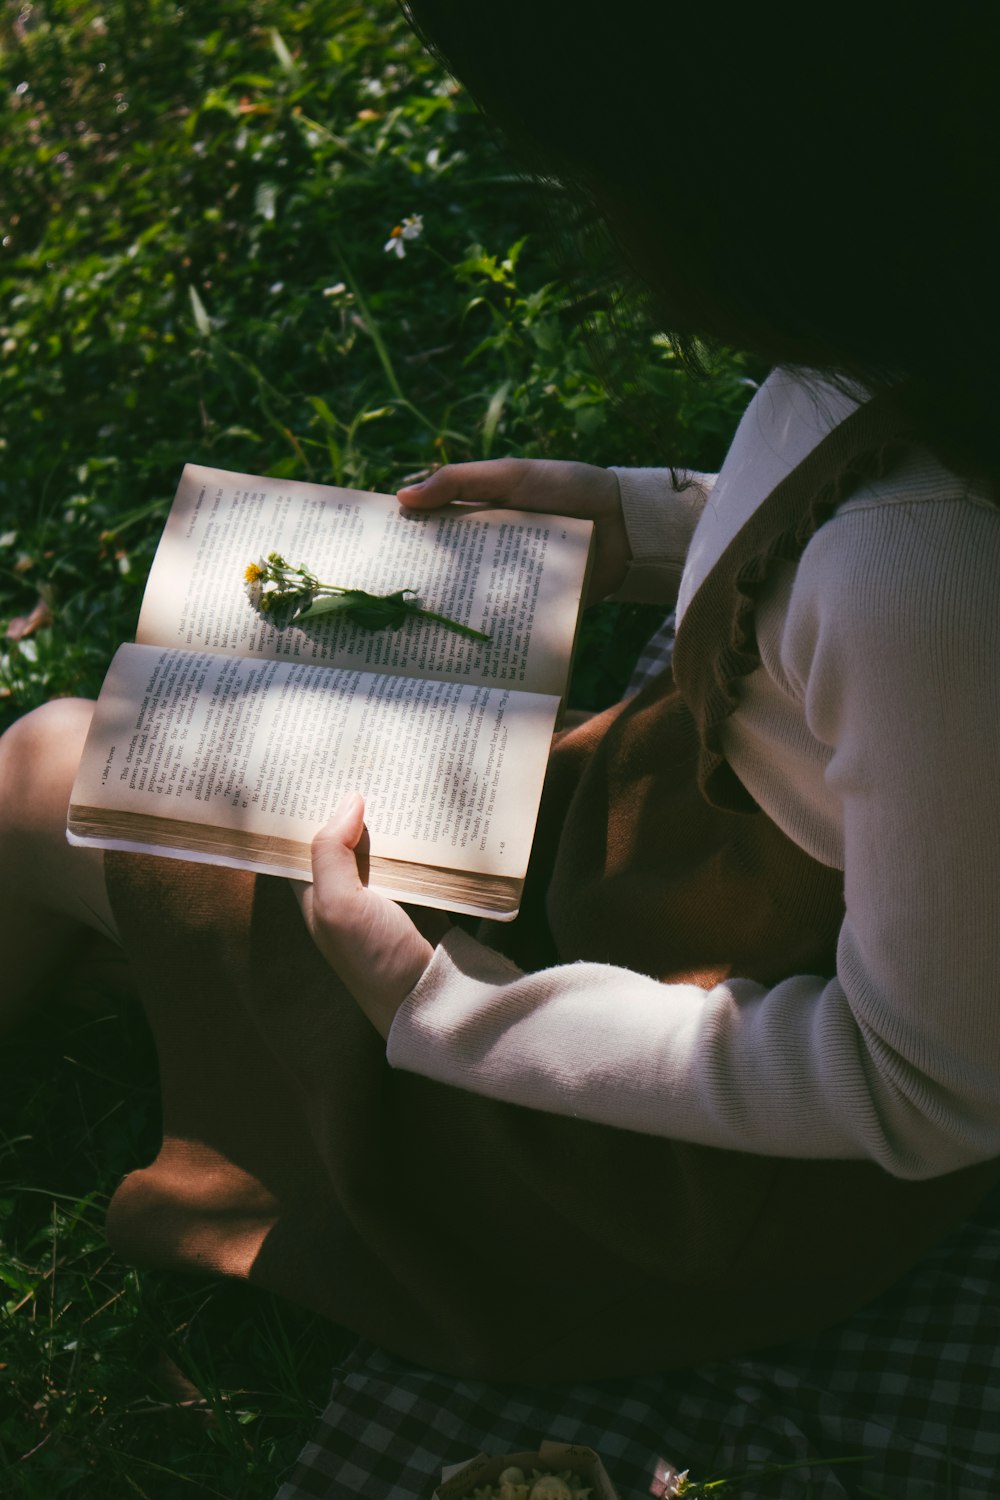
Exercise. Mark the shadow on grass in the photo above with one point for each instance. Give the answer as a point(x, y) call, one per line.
point(114, 1382)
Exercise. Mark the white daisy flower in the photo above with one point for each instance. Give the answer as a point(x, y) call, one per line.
point(411, 228)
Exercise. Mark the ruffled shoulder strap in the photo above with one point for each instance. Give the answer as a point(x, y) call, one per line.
point(716, 642)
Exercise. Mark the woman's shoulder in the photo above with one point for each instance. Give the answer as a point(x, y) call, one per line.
point(918, 478)
point(918, 521)
point(908, 566)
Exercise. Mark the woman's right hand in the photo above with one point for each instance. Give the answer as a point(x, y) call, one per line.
point(540, 484)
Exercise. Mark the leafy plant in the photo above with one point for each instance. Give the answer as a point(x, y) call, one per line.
point(193, 216)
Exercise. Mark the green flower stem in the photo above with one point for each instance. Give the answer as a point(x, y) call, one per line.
point(379, 611)
point(376, 335)
point(428, 614)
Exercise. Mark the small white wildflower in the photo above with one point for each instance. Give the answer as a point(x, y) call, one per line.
point(394, 244)
point(335, 291)
point(410, 229)
point(253, 580)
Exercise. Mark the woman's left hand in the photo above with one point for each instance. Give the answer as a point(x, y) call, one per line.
point(371, 942)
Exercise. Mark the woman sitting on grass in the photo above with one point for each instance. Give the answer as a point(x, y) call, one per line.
point(738, 1065)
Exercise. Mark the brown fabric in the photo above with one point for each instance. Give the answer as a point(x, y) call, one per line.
point(479, 1237)
point(647, 874)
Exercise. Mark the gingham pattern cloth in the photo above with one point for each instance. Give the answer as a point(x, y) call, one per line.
point(906, 1394)
point(900, 1402)
point(656, 654)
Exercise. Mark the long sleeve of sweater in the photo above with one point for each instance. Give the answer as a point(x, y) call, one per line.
point(870, 734)
point(661, 507)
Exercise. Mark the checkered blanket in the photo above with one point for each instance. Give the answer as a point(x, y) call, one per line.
point(655, 655)
point(900, 1402)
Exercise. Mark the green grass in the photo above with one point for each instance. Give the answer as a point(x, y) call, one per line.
point(115, 1383)
point(193, 209)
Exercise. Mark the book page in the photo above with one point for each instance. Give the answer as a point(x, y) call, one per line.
point(451, 773)
point(517, 577)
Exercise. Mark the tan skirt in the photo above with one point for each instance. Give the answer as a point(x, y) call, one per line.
point(482, 1238)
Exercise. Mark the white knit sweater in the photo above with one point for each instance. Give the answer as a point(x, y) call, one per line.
point(870, 733)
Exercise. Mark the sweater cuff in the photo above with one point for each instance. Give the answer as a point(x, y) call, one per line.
point(660, 518)
point(460, 971)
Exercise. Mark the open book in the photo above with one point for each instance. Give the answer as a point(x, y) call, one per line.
point(222, 738)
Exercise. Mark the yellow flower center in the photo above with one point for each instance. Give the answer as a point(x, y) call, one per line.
point(253, 573)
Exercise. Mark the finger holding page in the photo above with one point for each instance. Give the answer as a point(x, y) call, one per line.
point(367, 939)
point(548, 486)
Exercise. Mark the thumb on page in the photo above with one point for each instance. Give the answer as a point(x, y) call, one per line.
point(335, 848)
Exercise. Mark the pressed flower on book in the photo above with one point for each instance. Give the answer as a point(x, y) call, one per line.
point(287, 593)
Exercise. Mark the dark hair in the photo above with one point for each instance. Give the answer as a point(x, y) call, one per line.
point(816, 187)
